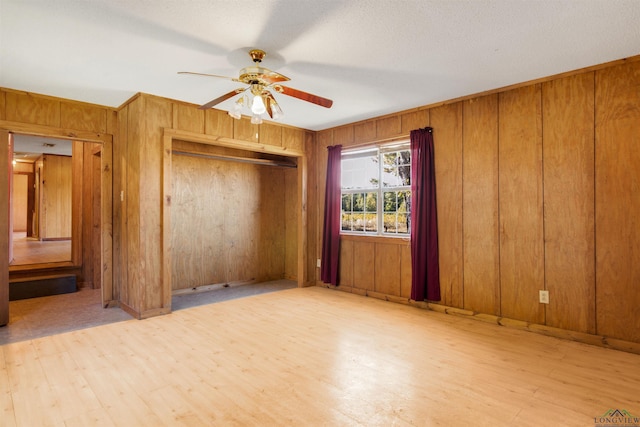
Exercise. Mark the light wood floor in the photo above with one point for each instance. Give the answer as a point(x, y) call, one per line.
point(311, 357)
point(32, 251)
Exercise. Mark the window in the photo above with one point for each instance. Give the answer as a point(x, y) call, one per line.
point(376, 191)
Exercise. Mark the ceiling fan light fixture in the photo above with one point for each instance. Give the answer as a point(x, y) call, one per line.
point(276, 111)
point(258, 107)
point(236, 112)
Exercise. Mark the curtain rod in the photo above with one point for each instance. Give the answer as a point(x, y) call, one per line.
point(263, 162)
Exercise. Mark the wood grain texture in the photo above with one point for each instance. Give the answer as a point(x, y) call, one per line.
point(617, 202)
point(414, 120)
point(188, 118)
point(388, 127)
point(244, 130)
point(74, 115)
point(29, 108)
point(290, 212)
point(343, 135)
point(4, 228)
point(294, 138)
point(238, 212)
point(56, 193)
point(447, 135)
point(568, 126)
point(345, 275)
point(405, 270)
point(218, 123)
point(270, 134)
point(364, 265)
point(390, 364)
point(521, 221)
point(480, 205)
point(158, 116)
point(364, 131)
point(387, 277)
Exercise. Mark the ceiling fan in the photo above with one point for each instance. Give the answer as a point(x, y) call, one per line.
point(261, 81)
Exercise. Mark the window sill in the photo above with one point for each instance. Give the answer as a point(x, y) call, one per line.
point(375, 238)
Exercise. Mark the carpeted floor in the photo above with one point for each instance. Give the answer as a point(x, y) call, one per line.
point(39, 317)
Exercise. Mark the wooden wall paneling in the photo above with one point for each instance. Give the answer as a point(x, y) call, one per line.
point(218, 123)
point(346, 265)
point(198, 209)
point(617, 202)
point(364, 265)
point(414, 120)
point(291, 206)
point(4, 227)
point(95, 215)
point(75, 115)
point(270, 134)
point(120, 161)
point(157, 293)
point(294, 138)
point(568, 161)
point(364, 131)
point(520, 204)
point(405, 270)
point(3, 108)
point(447, 135)
point(344, 136)
point(244, 130)
point(57, 196)
point(389, 127)
point(480, 205)
point(310, 203)
point(272, 215)
point(387, 273)
point(300, 205)
point(188, 118)
point(29, 108)
point(107, 207)
point(132, 294)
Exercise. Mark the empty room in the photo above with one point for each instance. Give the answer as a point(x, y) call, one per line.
point(319, 213)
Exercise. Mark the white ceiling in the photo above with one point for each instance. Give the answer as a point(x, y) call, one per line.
point(372, 57)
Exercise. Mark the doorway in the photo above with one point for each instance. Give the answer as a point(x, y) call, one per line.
point(72, 240)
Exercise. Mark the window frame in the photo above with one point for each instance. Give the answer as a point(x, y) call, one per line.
point(380, 189)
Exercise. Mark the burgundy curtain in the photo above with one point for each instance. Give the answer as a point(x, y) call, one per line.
point(425, 279)
point(332, 208)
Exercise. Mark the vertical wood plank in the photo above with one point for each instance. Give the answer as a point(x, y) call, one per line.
point(568, 126)
point(243, 129)
point(414, 120)
point(343, 135)
point(387, 278)
point(188, 118)
point(388, 127)
point(521, 222)
point(158, 115)
point(299, 182)
point(405, 271)
point(363, 260)
point(293, 138)
point(83, 117)
point(312, 218)
point(480, 205)
point(218, 123)
point(270, 134)
point(345, 274)
point(447, 135)
point(617, 201)
point(4, 227)
point(324, 140)
point(364, 131)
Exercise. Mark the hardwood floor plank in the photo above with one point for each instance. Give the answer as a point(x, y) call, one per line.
point(311, 356)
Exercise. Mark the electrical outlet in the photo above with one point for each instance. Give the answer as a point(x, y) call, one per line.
point(319, 263)
point(544, 297)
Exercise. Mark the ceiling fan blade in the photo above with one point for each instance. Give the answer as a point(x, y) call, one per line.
point(209, 75)
point(269, 101)
point(274, 77)
point(323, 102)
point(221, 98)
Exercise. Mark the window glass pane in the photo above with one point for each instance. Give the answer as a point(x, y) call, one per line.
point(359, 172)
point(358, 222)
point(396, 169)
point(403, 224)
point(347, 202)
point(346, 221)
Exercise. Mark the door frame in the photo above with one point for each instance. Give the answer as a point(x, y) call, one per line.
point(106, 204)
